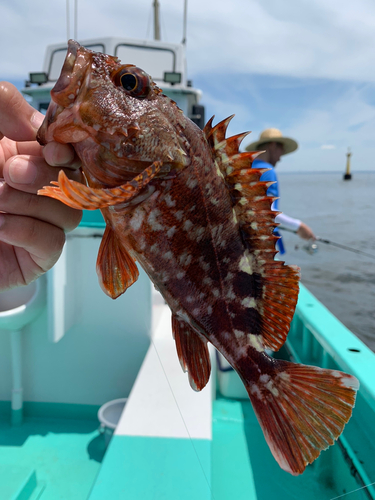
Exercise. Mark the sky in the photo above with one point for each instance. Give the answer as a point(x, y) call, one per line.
point(303, 66)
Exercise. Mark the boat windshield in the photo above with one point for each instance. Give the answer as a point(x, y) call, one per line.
point(58, 58)
point(154, 60)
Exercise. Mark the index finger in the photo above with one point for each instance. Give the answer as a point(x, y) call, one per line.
point(18, 120)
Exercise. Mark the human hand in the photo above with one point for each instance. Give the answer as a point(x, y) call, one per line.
point(32, 227)
point(305, 232)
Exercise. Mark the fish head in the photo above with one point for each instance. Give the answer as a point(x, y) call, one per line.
point(115, 116)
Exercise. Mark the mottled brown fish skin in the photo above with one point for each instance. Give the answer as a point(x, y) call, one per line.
point(189, 208)
point(187, 238)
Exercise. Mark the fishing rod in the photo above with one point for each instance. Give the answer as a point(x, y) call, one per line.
point(329, 242)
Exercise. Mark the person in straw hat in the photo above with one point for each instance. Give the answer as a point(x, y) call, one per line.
point(274, 145)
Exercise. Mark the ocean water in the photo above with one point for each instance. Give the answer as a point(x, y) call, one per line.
point(342, 212)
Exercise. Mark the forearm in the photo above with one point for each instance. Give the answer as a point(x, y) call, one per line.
point(288, 222)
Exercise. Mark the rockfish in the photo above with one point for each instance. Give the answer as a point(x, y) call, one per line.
point(187, 206)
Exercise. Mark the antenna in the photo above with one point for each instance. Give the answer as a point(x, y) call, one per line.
point(184, 23)
point(156, 20)
point(67, 20)
point(75, 19)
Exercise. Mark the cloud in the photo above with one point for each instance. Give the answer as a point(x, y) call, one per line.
point(316, 113)
point(301, 66)
point(315, 39)
point(298, 38)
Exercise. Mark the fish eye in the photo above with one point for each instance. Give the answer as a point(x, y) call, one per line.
point(129, 81)
point(133, 80)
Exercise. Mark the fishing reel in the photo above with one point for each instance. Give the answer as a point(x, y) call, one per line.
point(311, 247)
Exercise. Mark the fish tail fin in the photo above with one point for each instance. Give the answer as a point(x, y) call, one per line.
point(302, 410)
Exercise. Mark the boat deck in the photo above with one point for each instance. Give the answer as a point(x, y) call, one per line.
point(243, 467)
point(172, 443)
point(48, 457)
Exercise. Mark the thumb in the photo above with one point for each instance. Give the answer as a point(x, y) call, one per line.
point(18, 120)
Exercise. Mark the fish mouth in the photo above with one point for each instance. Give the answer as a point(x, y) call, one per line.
point(67, 86)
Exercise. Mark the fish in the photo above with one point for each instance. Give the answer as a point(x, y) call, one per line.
point(187, 205)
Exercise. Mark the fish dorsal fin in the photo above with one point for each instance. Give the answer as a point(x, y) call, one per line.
point(277, 282)
point(217, 133)
point(115, 267)
point(192, 352)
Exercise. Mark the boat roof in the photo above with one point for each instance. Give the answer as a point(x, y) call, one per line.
point(154, 56)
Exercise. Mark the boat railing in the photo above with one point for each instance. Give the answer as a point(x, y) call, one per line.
point(318, 338)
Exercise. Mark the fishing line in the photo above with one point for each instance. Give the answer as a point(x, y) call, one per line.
point(182, 418)
point(350, 492)
point(329, 242)
point(163, 25)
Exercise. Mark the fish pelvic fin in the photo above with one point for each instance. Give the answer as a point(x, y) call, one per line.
point(276, 283)
point(77, 195)
point(115, 267)
point(192, 352)
point(302, 410)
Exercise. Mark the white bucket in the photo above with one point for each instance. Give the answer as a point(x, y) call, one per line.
point(109, 415)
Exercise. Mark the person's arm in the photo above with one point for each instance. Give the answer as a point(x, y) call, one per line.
point(32, 227)
point(288, 222)
point(305, 232)
point(302, 229)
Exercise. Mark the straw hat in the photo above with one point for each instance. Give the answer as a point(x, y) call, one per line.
point(273, 135)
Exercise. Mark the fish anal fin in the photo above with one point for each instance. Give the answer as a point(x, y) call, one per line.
point(77, 195)
point(192, 352)
point(302, 410)
point(115, 267)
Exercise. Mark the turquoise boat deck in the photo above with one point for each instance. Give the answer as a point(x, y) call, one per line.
point(55, 455)
point(244, 469)
point(243, 465)
point(56, 458)
point(58, 452)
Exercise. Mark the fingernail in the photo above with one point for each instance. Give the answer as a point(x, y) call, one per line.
point(22, 171)
point(37, 119)
point(58, 154)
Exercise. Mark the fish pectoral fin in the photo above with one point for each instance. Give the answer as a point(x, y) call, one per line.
point(192, 352)
point(302, 410)
point(77, 195)
point(115, 267)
